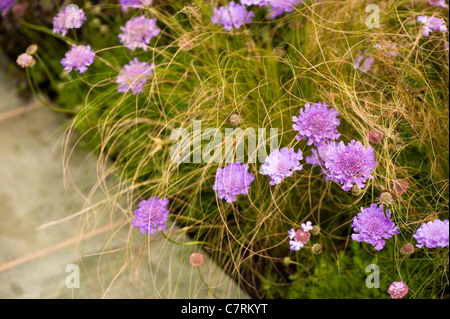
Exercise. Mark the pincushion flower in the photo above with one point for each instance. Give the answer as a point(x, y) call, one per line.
point(232, 180)
point(281, 163)
point(299, 238)
point(279, 7)
point(431, 24)
point(25, 60)
point(433, 234)
point(389, 48)
point(78, 58)
point(135, 4)
point(373, 225)
point(71, 17)
point(438, 3)
point(151, 215)
point(134, 76)
point(138, 32)
point(316, 123)
point(364, 63)
point(318, 157)
point(260, 3)
point(5, 6)
point(350, 164)
point(398, 289)
point(233, 15)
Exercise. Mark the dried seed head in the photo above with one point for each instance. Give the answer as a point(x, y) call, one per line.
point(375, 136)
point(317, 249)
point(407, 249)
point(185, 43)
point(355, 190)
point(386, 198)
point(32, 49)
point(315, 230)
point(234, 119)
point(196, 259)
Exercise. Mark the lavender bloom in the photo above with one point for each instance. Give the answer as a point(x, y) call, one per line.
point(138, 32)
point(260, 3)
point(281, 6)
point(372, 225)
point(350, 164)
point(390, 48)
point(71, 17)
point(398, 289)
point(433, 234)
point(431, 24)
point(25, 60)
point(151, 215)
point(232, 16)
point(299, 238)
point(438, 3)
point(281, 164)
point(5, 6)
point(319, 157)
point(135, 4)
point(79, 58)
point(134, 76)
point(232, 180)
point(316, 123)
point(364, 64)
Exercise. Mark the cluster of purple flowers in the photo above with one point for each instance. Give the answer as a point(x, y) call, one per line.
point(234, 15)
point(431, 24)
point(6, 5)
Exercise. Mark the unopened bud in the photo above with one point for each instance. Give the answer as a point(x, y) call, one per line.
point(32, 49)
point(317, 249)
point(315, 230)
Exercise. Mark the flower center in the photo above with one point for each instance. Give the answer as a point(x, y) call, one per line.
point(302, 236)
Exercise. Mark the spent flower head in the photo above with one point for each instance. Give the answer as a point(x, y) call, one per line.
point(398, 289)
point(25, 60)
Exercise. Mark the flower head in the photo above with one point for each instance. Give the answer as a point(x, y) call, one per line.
point(398, 289)
point(433, 234)
point(25, 60)
point(78, 58)
point(138, 32)
point(438, 3)
point(407, 249)
point(260, 3)
point(389, 48)
point(196, 259)
point(350, 164)
point(317, 123)
point(386, 198)
point(71, 17)
point(232, 16)
point(364, 63)
point(279, 7)
point(431, 24)
point(299, 238)
point(375, 136)
point(134, 76)
point(400, 186)
point(232, 180)
point(372, 225)
point(281, 163)
point(151, 215)
point(135, 4)
point(5, 6)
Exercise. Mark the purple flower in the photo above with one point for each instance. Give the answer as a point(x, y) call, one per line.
point(299, 238)
point(134, 76)
point(431, 24)
point(281, 6)
point(25, 60)
point(433, 234)
point(135, 4)
point(79, 58)
point(398, 289)
point(260, 3)
point(232, 180)
point(232, 16)
point(151, 215)
point(372, 225)
point(350, 164)
point(438, 3)
point(390, 48)
point(364, 64)
point(281, 164)
point(319, 156)
point(5, 6)
point(71, 17)
point(138, 32)
point(317, 124)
